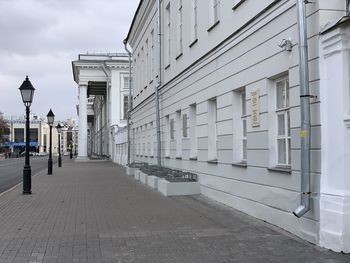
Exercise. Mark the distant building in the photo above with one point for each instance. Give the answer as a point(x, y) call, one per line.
point(69, 137)
point(39, 134)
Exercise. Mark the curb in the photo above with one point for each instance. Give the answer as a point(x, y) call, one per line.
point(15, 186)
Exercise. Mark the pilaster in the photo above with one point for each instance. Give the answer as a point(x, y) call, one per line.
point(335, 128)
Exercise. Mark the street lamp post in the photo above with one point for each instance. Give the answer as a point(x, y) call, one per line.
point(59, 129)
point(70, 150)
point(50, 121)
point(27, 92)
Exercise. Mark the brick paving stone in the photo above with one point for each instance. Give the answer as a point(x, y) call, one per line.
point(93, 212)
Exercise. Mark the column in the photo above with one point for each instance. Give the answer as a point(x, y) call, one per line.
point(82, 137)
point(335, 129)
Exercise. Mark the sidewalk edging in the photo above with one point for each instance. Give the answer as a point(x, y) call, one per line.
point(15, 186)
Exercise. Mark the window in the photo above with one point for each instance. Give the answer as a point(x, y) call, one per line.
point(283, 122)
point(148, 73)
point(184, 125)
point(239, 120)
point(142, 71)
point(151, 139)
point(178, 134)
point(192, 130)
point(179, 29)
point(125, 106)
point(144, 138)
point(167, 136)
point(212, 130)
point(216, 10)
point(138, 134)
point(126, 82)
point(167, 36)
point(194, 20)
point(148, 138)
point(244, 125)
point(214, 13)
point(172, 130)
point(138, 72)
point(152, 55)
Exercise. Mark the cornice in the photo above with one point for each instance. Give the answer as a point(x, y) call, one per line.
point(335, 41)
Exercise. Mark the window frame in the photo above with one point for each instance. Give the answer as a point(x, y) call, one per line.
point(240, 126)
point(284, 111)
point(167, 35)
point(179, 28)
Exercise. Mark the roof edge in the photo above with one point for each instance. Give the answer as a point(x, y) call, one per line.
point(133, 20)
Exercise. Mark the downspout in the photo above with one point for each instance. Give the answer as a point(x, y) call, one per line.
point(305, 112)
point(159, 84)
point(130, 101)
point(107, 104)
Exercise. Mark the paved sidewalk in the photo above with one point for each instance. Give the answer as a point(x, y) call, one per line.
point(92, 212)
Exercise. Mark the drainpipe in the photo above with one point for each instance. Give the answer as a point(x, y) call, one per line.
point(159, 84)
point(348, 7)
point(130, 101)
point(107, 104)
point(305, 112)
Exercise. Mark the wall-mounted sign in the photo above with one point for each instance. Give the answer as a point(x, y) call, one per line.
point(255, 108)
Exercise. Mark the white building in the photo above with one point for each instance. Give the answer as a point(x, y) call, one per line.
point(230, 106)
point(69, 137)
point(39, 135)
point(103, 83)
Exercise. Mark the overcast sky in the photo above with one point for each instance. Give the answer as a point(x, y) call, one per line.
point(40, 38)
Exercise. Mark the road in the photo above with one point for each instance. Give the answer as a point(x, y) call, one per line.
point(11, 170)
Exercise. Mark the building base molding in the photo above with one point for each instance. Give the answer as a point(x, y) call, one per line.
point(334, 223)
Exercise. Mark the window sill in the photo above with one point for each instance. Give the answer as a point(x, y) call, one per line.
point(178, 158)
point(179, 56)
point(238, 4)
point(193, 42)
point(167, 66)
point(281, 169)
point(193, 159)
point(240, 164)
point(212, 26)
point(214, 161)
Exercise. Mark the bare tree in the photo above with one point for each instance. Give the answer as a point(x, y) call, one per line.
point(4, 129)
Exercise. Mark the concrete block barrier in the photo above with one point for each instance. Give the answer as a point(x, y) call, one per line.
point(152, 181)
point(178, 188)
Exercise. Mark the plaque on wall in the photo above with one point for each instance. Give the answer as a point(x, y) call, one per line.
point(255, 108)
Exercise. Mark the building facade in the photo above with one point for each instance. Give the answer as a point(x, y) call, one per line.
point(69, 137)
point(103, 81)
point(39, 135)
point(229, 93)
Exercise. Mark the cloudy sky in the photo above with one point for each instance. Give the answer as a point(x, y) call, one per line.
point(40, 38)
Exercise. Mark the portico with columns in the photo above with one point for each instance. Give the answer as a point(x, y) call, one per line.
point(103, 89)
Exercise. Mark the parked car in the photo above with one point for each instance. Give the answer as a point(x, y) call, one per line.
point(30, 153)
point(42, 154)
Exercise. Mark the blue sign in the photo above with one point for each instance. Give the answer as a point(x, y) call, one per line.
point(19, 144)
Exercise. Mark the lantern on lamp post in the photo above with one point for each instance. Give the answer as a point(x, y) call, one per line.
point(27, 93)
point(59, 129)
point(50, 121)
